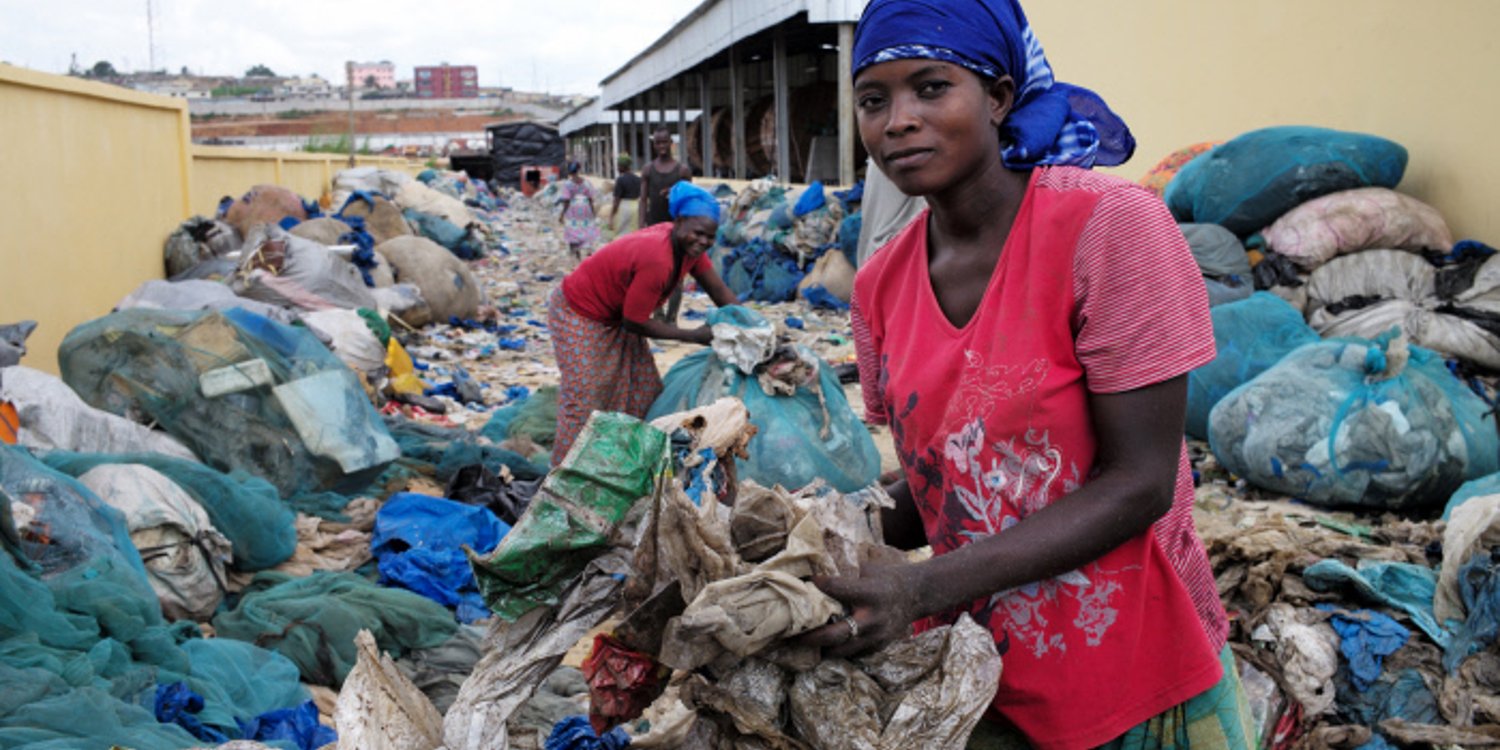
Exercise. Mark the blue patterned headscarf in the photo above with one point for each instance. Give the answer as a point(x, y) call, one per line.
point(687, 199)
point(1050, 122)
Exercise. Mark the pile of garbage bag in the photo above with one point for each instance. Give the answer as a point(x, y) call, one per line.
point(1378, 424)
point(88, 659)
point(298, 416)
point(1357, 630)
point(770, 248)
point(806, 430)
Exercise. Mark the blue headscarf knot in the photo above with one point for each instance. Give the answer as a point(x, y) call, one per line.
point(1050, 122)
point(687, 199)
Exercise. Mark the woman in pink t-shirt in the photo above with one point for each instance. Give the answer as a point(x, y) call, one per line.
point(1027, 338)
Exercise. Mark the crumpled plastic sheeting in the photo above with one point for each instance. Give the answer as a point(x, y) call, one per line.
point(52, 416)
point(332, 545)
point(1309, 653)
point(1474, 526)
point(1407, 733)
point(745, 614)
point(835, 706)
point(378, 708)
point(1479, 584)
point(440, 671)
point(926, 691)
point(622, 682)
point(519, 656)
point(723, 426)
point(1402, 586)
point(575, 516)
point(742, 337)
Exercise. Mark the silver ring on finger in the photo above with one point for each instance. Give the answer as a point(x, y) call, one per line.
point(853, 627)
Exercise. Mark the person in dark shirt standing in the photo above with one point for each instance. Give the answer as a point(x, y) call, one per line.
point(625, 216)
point(659, 176)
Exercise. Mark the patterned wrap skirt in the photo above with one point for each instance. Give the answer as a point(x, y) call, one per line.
point(604, 368)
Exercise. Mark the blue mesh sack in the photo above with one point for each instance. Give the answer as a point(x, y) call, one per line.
point(808, 435)
point(245, 509)
point(243, 392)
point(1250, 336)
point(1249, 182)
point(1355, 423)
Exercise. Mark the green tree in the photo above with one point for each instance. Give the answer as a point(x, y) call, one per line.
point(102, 69)
point(370, 82)
point(259, 70)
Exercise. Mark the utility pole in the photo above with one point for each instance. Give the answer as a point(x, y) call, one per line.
point(150, 38)
point(349, 73)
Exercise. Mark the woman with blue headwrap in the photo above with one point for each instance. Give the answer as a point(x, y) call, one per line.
point(600, 316)
point(1027, 337)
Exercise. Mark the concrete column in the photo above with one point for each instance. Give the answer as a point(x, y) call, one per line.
point(737, 113)
point(614, 142)
point(682, 125)
point(781, 91)
point(847, 167)
point(705, 123)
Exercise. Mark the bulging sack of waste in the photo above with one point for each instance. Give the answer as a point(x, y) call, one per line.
point(1248, 183)
point(446, 283)
point(1250, 336)
point(242, 392)
point(1375, 424)
point(1450, 310)
point(806, 430)
point(183, 553)
point(196, 240)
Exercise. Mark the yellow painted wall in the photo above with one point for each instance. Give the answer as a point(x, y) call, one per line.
point(95, 178)
point(1182, 71)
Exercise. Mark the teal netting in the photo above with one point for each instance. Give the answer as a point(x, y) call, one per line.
point(313, 620)
point(83, 645)
point(245, 509)
point(243, 392)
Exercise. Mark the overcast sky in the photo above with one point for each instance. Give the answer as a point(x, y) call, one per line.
point(559, 46)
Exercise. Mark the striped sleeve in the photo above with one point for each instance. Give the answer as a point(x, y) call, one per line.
point(1141, 305)
point(868, 355)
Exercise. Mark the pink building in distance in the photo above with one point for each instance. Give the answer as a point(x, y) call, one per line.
point(384, 73)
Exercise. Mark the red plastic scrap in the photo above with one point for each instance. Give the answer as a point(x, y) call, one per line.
point(622, 683)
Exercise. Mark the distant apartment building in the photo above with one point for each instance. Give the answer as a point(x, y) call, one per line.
point(311, 87)
point(447, 81)
point(382, 74)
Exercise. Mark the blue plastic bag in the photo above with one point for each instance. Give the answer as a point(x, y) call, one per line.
point(291, 728)
point(418, 545)
point(575, 733)
point(1366, 637)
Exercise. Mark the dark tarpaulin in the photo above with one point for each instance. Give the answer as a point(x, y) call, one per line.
point(514, 145)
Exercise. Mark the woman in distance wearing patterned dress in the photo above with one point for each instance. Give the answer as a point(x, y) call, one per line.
point(580, 228)
point(600, 316)
point(1028, 338)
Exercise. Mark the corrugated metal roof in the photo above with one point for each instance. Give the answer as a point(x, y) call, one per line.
point(709, 29)
point(594, 113)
